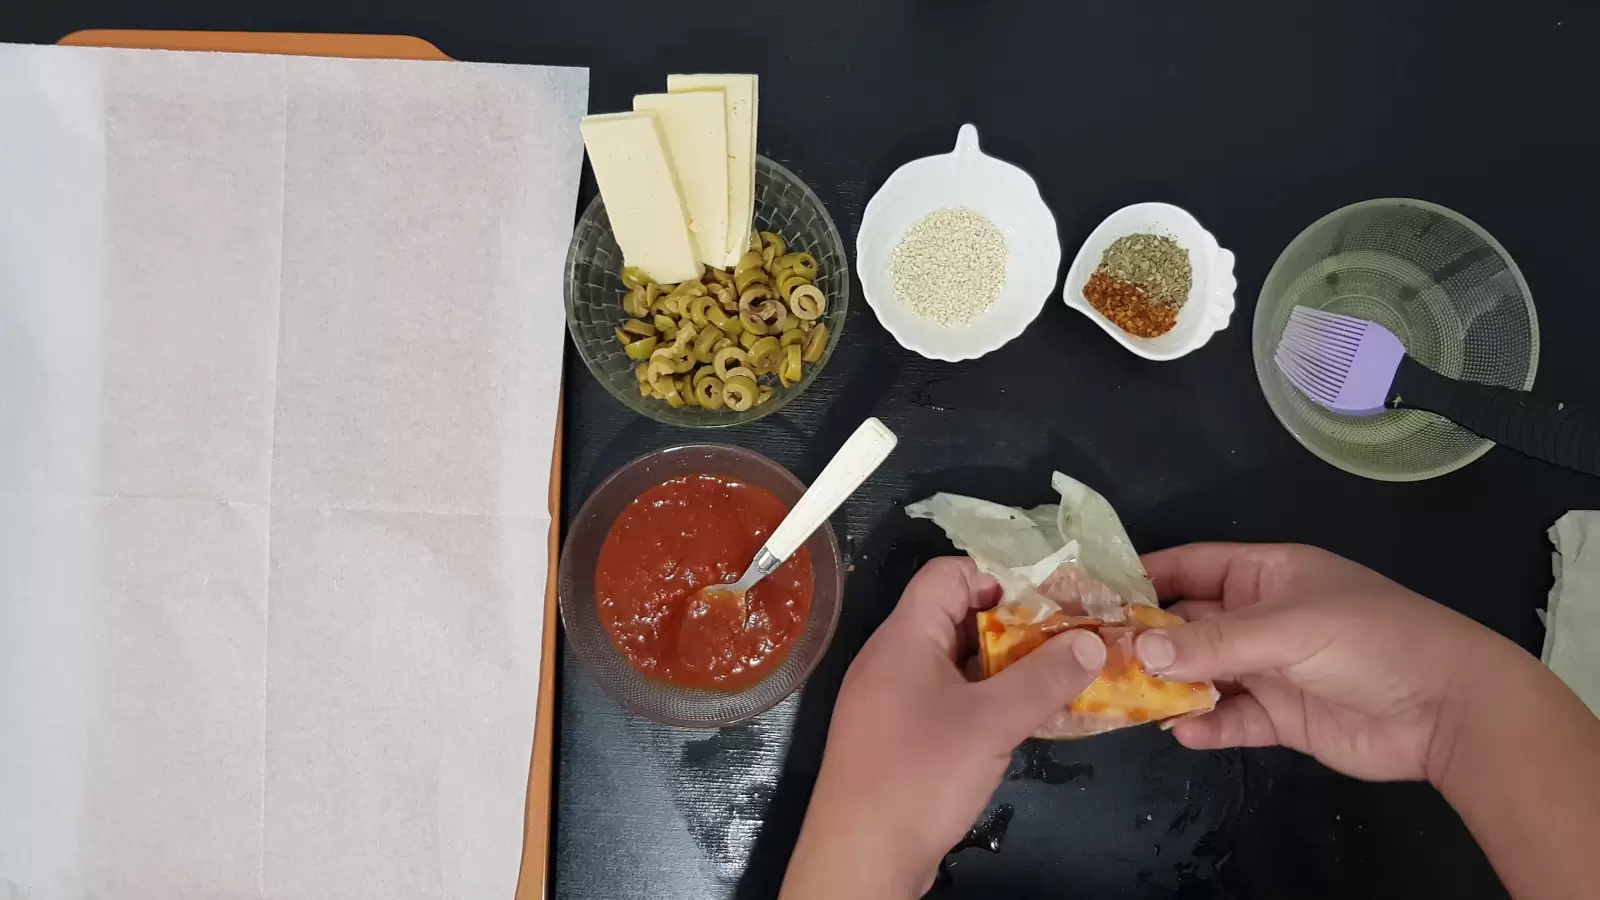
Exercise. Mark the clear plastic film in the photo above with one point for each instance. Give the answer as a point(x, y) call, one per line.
point(1063, 566)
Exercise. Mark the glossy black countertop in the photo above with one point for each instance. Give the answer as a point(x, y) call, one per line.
point(1257, 116)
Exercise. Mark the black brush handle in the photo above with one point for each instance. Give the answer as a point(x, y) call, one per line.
point(1557, 432)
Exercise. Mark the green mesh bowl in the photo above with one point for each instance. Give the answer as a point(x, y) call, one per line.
point(1450, 292)
point(594, 292)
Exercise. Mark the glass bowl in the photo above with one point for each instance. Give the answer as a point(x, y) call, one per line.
point(594, 295)
point(1443, 285)
point(657, 700)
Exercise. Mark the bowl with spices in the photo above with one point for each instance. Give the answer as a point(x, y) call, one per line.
point(957, 252)
point(1154, 279)
point(635, 561)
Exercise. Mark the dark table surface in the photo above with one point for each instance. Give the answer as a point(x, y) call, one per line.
point(1257, 115)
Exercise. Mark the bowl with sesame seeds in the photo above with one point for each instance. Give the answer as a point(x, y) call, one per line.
point(957, 252)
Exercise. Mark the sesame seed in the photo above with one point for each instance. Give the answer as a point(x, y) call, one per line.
point(950, 266)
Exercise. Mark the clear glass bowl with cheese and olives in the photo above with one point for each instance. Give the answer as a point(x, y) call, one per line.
point(705, 287)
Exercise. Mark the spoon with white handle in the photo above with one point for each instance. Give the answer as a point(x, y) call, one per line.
point(859, 457)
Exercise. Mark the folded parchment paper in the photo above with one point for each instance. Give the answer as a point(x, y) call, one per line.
point(280, 347)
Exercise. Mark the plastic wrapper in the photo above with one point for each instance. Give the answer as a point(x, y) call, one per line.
point(1063, 566)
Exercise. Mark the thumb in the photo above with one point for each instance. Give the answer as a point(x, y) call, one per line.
point(1021, 697)
point(1228, 645)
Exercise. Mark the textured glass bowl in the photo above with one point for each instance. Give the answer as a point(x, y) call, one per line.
point(1436, 279)
point(657, 700)
point(594, 293)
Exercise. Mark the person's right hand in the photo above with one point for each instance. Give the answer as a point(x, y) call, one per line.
point(1332, 659)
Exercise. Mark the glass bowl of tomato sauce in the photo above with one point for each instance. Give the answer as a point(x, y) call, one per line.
point(644, 543)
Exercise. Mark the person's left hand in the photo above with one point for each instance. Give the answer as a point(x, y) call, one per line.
point(916, 750)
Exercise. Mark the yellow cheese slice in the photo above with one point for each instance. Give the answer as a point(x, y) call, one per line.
point(742, 99)
point(643, 200)
point(696, 126)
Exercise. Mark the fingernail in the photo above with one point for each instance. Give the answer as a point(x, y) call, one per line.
point(1089, 651)
point(1155, 651)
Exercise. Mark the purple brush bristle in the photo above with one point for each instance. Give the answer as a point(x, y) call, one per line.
point(1344, 363)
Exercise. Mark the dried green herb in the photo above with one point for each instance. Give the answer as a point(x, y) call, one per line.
point(1152, 262)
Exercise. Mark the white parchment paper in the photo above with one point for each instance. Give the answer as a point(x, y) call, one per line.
point(280, 345)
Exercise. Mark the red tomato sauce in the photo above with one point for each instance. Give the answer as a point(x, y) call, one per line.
point(672, 540)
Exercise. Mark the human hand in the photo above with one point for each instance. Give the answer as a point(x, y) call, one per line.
point(915, 749)
point(1333, 659)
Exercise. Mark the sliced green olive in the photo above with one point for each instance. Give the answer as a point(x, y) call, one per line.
point(708, 341)
point(633, 302)
point(754, 327)
point(688, 289)
point(727, 358)
point(774, 314)
point(728, 324)
point(663, 361)
point(754, 294)
point(669, 393)
point(816, 342)
point(765, 355)
point(789, 370)
point(678, 355)
point(686, 333)
point(633, 276)
point(743, 280)
point(788, 283)
point(801, 263)
point(773, 240)
point(739, 393)
point(704, 341)
point(708, 392)
point(749, 262)
point(641, 349)
point(637, 303)
point(700, 310)
point(808, 302)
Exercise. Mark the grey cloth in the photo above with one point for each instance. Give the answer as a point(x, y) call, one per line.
point(1572, 621)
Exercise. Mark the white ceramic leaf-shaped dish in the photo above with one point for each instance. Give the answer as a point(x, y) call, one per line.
point(1210, 300)
point(997, 190)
